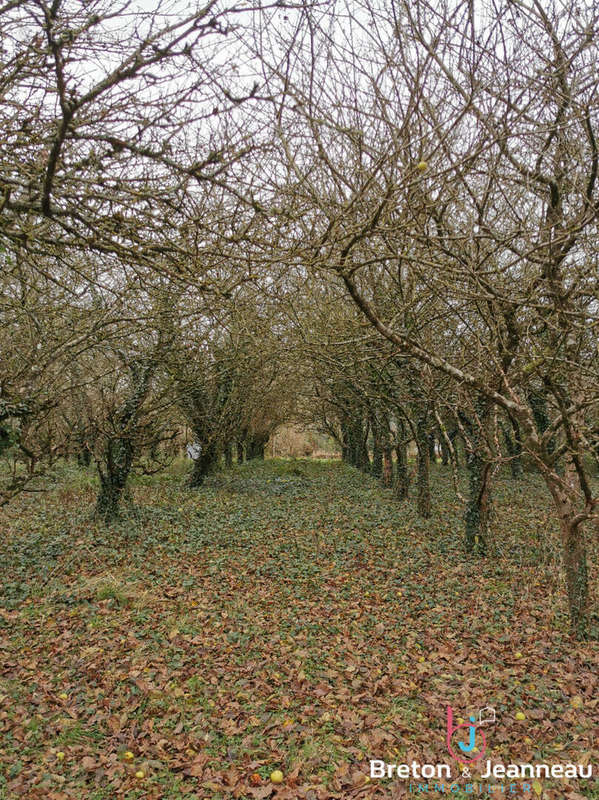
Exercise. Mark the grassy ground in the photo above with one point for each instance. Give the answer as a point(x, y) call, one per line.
point(289, 615)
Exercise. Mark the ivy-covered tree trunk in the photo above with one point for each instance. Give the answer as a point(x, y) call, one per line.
point(115, 465)
point(376, 468)
point(84, 453)
point(537, 399)
point(240, 453)
point(255, 447)
point(565, 497)
point(402, 479)
point(6, 438)
point(387, 476)
point(114, 474)
point(363, 454)
point(345, 442)
point(423, 490)
point(203, 465)
point(513, 446)
point(577, 579)
point(564, 485)
point(351, 449)
point(478, 505)
point(432, 452)
point(357, 438)
point(228, 455)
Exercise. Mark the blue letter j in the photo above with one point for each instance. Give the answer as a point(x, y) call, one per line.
point(468, 748)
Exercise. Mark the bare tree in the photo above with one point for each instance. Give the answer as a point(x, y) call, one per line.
point(458, 151)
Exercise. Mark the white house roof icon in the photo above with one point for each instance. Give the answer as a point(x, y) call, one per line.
point(487, 716)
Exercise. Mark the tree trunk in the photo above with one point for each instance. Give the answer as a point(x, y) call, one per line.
point(358, 445)
point(387, 467)
point(444, 451)
point(402, 479)
point(119, 451)
point(564, 487)
point(365, 463)
point(454, 453)
point(84, 453)
point(513, 447)
point(228, 455)
point(538, 403)
point(113, 478)
point(351, 445)
point(108, 501)
point(377, 453)
point(574, 551)
point(203, 465)
point(594, 442)
point(255, 447)
point(84, 457)
point(577, 581)
point(423, 495)
point(432, 453)
point(478, 506)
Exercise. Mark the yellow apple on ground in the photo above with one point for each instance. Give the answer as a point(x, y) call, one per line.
point(276, 776)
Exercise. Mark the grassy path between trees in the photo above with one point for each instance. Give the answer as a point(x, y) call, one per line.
point(288, 615)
